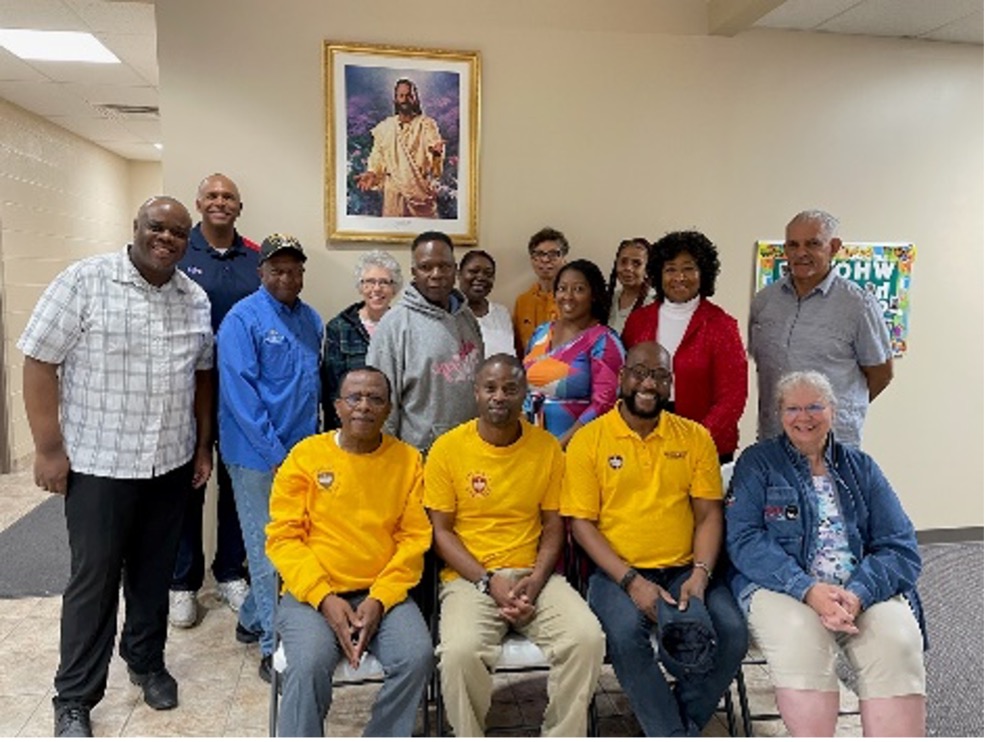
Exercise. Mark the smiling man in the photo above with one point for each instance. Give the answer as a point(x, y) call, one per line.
point(224, 263)
point(268, 349)
point(118, 393)
point(492, 488)
point(644, 492)
point(348, 534)
point(815, 320)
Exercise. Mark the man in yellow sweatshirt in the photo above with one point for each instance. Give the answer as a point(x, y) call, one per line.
point(348, 534)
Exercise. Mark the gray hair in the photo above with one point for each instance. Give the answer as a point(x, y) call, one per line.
point(379, 259)
point(830, 224)
point(813, 379)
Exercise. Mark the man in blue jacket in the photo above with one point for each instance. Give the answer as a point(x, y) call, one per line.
point(268, 347)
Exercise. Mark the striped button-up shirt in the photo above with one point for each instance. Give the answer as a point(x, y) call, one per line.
point(127, 353)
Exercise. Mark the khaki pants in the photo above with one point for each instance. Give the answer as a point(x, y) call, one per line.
point(801, 653)
point(563, 628)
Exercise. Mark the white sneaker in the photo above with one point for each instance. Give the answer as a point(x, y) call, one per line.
point(183, 608)
point(233, 592)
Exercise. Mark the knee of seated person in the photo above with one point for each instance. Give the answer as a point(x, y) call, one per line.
point(896, 632)
point(311, 658)
point(462, 650)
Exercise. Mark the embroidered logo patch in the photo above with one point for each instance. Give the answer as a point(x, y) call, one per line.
point(675, 454)
point(479, 485)
point(325, 479)
point(615, 462)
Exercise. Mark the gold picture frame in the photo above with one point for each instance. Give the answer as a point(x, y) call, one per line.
point(401, 142)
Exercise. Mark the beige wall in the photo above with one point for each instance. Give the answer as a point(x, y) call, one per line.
point(607, 124)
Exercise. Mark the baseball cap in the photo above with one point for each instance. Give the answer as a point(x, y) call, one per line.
point(280, 243)
point(686, 639)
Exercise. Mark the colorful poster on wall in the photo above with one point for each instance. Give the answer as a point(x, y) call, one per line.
point(883, 269)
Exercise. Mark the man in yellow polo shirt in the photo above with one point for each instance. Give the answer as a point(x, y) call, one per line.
point(644, 491)
point(348, 534)
point(492, 487)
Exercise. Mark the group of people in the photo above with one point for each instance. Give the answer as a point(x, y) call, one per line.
point(589, 427)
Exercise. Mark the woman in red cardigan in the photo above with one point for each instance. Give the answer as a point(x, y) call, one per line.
point(710, 376)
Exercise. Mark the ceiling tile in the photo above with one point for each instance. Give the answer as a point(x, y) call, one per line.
point(968, 30)
point(44, 15)
point(104, 17)
point(133, 151)
point(897, 17)
point(145, 129)
point(133, 95)
point(138, 51)
point(95, 129)
point(93, 74)
point(46, 99)
point(804, 15)
point(15, 68)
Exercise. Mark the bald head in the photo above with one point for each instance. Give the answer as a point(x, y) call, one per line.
point(160, 238)
point(218, 201)
point(650, 354)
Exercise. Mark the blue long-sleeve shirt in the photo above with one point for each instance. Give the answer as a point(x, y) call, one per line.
point(268, 359)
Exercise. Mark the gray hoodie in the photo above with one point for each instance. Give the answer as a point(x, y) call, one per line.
point(430, 356)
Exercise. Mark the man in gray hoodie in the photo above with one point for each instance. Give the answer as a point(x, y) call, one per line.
point(429, 345)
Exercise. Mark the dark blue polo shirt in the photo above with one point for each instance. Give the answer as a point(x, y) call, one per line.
point(226, 276)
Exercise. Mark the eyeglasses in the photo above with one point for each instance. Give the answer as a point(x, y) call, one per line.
point(545, 254)
point(812, 409)
point(373, 400)
point(641, 373)
point(687, 271)
point(374, 282)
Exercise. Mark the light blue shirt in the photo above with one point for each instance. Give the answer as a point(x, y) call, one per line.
point(268, 359)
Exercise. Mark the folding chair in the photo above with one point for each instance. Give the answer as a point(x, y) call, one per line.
point(369, 671)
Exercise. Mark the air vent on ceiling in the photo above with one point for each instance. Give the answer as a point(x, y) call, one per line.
point(126, 110)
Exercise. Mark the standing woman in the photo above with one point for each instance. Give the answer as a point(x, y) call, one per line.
point(477, 271)
point(573, 363)
point(629, 287)
point(709, 363)
point(347, 335)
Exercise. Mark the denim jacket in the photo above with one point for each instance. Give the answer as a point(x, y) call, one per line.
point(772, 525)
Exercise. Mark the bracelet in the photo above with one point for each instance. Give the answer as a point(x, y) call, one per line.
point(706, 567)
point(630, 576)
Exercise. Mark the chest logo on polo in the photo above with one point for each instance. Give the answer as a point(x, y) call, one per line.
point(479, 485)
point(675, 454)
point(615, 461)
point(325, 479)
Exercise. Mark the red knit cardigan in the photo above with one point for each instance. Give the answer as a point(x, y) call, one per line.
point(710, 369)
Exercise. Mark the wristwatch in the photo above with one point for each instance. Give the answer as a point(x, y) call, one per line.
point(483, 583)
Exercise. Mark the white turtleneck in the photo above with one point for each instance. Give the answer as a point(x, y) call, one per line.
point(672, 321)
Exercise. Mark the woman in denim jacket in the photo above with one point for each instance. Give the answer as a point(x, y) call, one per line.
point(824, 559)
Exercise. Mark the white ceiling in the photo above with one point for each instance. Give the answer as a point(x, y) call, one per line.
point(70, 94)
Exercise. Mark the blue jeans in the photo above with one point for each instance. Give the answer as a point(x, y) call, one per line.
point(402, 644)
point(661, 710)
point(251, 489)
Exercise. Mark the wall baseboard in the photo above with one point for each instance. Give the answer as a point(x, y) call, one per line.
point(950, 535)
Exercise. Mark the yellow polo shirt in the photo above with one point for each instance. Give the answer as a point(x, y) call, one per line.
point(637, 490)
point(342, 521)
point(534, 307)
point(496, 493)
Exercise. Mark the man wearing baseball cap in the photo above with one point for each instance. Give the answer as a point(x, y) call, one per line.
point(268, 349)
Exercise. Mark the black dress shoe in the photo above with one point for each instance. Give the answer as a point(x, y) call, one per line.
point(245, 635)
point(72, 721)
point(160, 689)
point(265, 670)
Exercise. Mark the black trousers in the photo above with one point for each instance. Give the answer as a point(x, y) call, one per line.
point(118, 529)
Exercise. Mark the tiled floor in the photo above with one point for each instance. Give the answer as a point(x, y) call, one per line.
point(220, 694)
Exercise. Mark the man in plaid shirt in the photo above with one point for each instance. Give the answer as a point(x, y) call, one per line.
point(118, 392)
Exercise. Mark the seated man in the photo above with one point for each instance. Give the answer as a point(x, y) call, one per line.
point(492, 488)
point(348, 535)
point(644, 491)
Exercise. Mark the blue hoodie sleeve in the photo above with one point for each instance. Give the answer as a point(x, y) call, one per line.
point(752, 546)
point(891, 561)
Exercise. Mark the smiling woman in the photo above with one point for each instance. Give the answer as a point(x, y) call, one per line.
point(477, 271)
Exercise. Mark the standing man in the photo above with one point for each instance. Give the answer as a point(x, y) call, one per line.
point(644, 492)
point(429, 346)
point(492, 489)
point(348, 534)
point(815, 320)
point(407, 157)
point(223, 263)
point(534, 307)
point(268, 348)
point(118, 393)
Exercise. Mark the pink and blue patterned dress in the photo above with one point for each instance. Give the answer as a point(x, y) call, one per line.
point(578, 381)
